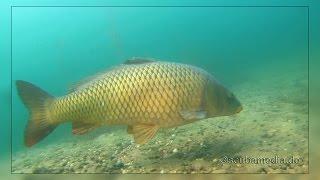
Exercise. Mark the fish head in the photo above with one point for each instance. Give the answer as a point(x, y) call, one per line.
point(230, 103)
point(221, 101)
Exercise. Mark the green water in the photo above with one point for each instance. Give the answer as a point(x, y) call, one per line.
point(260, 53)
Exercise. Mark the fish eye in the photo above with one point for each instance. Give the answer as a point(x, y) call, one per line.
point(230, 95)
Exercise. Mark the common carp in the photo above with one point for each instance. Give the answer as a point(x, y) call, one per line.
point(143, 94)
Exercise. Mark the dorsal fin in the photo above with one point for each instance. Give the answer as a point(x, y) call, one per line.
point(139, 60)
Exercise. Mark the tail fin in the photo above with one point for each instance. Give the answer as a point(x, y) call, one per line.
point(37, 101)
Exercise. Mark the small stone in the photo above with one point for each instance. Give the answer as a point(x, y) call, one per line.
point(162, 171)
point(262, 170)
point(283, 167)
point(199, 164)
point(124, 171)
point(118, 165)
point(175, 150)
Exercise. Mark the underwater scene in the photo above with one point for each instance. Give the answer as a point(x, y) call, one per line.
point(160, 90)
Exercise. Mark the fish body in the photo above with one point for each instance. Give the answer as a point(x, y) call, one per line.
point(144, 94)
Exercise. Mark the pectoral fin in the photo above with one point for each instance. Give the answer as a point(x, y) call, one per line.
point(142, 133)
point(193, 115)
point(79, 128)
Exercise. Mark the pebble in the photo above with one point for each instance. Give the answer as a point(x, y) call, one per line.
point(124, 171)
point(199, 164)
point(269, 134)
point(175, 150)
point(262, 170)
point(118, 165)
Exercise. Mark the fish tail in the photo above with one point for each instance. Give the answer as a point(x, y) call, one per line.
point(37, 101)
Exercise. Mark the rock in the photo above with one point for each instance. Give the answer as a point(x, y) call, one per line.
point(199, 164)
point(118, 165)
point(175, 150)
point(262, 170)
point(124, 171)
point(283, 167)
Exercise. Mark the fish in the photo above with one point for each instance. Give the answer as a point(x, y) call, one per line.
point(142, 93)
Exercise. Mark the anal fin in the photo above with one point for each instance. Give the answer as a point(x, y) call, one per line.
point(129, 130)
point(79, 128)
point(142, 133)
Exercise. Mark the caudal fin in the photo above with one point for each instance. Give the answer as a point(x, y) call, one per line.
point(37, 102)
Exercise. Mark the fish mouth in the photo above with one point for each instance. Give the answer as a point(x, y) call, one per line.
point(239, 109)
